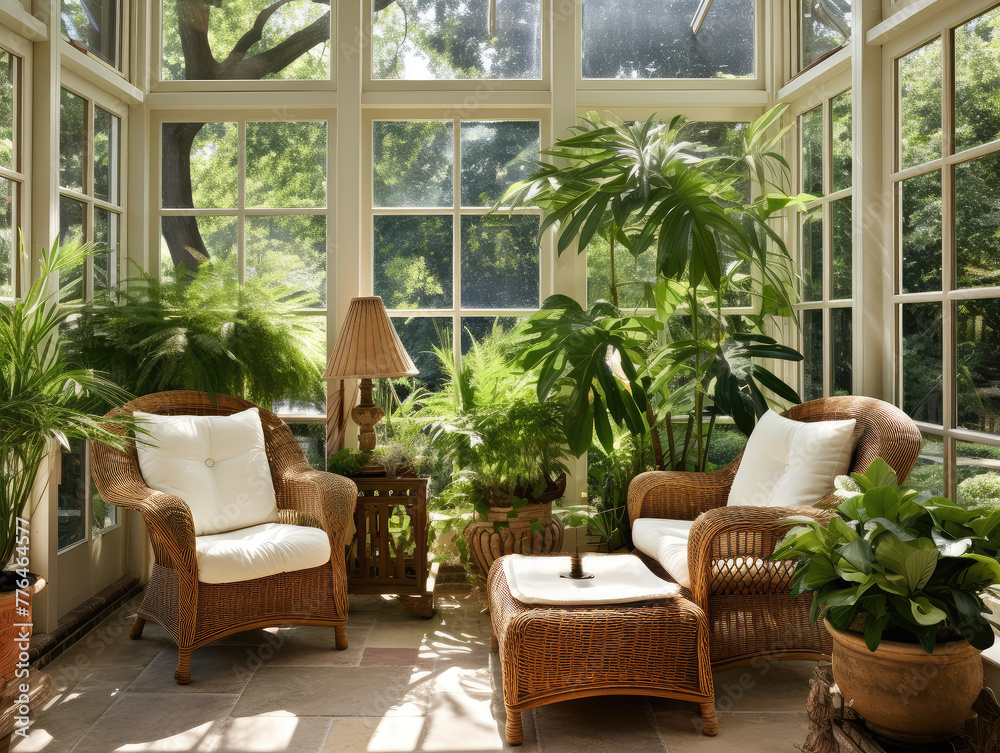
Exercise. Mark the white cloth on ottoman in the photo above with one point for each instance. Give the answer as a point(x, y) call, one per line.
point(618, 579)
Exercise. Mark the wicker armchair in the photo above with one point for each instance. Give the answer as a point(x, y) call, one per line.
point(746, 596)
point(195, 613)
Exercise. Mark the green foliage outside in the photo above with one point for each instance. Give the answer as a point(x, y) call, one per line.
point(902, 563)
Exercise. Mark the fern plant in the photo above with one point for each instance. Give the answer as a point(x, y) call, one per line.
point(205, 333)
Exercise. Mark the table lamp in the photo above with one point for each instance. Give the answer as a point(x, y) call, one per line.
point(368, 348)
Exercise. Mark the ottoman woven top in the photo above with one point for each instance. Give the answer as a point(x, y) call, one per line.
point(618, 579)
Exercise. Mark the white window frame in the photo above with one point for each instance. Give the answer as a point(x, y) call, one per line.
point(125, 37)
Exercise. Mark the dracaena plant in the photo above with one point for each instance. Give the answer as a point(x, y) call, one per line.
point(897, 564)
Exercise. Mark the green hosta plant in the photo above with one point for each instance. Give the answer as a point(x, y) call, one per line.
point(897, 563)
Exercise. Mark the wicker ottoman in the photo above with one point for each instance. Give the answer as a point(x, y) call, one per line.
point(557, 653)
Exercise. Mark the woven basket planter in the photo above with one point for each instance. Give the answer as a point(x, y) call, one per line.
point(487, 544)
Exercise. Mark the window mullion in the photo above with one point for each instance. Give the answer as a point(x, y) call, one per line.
point(241, 174)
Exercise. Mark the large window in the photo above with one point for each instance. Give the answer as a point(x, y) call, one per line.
point(91, 210)
point(12, 176)
point(444, 266)
point(825, 249)
point(947, 303)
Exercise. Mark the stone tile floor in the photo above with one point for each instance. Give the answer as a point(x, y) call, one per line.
point(404, 685)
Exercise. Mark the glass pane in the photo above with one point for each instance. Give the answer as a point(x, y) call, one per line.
point(977, 222)
point(106, 234)
point(107, 129)
point(843, 140)
point(500, 261)
point(637, 39)
point(73, 130)
point(922, 364)
point(928, 473)
point(826, 25)
point(920, 75)
point(812, 352)
point(7, 240)
point(978, 475)
point(479, 327)
point(494, 156)
point(413, 261)
point(72, 504)
point(301, 27)
point(842, 251)
point(103, 516)
point(413, 163)
point(977, 80)
point(630, 274)
point(456, 39)
point(286, 164)
point(977, 341)
point(200, 165)
point(219, 234)
point(312, 439)
point(420, 335)
point(71, 230)
point(921, 242)
point(8, 104)
point(811, 130)
point(94, 25)
point(812, 257)
point(843, 355)
point(289, 248)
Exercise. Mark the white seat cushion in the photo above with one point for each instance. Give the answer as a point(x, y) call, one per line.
point(216, 464)
point(665, 541)
point(259, 551)
point(792, 463)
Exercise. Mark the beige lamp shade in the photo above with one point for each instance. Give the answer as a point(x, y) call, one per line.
point(368, 346)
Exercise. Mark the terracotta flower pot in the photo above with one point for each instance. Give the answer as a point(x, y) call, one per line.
point(487, 544)
point(9, 634)
point(902, 691)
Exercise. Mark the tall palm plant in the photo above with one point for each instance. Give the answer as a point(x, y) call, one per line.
point(40, 398)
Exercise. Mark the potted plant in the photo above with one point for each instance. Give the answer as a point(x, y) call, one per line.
point(41, 399)
point(898, 576)
point(506, 449)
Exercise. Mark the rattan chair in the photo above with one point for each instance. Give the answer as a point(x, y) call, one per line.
point(746, 596)
point(195, 613)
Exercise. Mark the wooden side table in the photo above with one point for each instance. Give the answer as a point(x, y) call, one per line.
point(388, 553)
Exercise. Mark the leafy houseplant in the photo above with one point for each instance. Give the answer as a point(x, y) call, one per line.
point(41, 397)
point(205, 333)
point(901, 567)
point(505, 447)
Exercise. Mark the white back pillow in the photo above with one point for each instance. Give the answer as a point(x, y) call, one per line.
point(217, 464)
point(792, 463)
